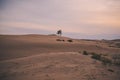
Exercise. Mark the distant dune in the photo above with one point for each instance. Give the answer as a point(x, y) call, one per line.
point(51, 57)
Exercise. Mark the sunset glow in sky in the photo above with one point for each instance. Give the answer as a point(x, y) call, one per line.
point(90, 19)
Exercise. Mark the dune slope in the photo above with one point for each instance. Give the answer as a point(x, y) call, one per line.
point(46, 57)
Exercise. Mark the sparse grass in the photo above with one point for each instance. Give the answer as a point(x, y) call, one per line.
point(118, 45)
point(104, 58)
point(101, 58)
point(106, 61)
point(116, 59)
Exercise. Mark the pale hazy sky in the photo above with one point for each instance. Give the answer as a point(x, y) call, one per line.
point(94, 19)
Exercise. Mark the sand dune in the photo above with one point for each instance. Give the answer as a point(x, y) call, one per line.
point(26, 45)
point(42, 57)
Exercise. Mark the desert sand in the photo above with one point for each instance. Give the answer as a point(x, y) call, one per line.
point(48, 57)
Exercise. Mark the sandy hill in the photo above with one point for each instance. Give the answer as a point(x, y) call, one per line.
point(51, 57)
point(25, 45)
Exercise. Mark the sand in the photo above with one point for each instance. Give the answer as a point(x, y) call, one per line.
point(41, 57)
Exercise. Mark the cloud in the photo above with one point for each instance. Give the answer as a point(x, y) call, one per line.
point(72, 16)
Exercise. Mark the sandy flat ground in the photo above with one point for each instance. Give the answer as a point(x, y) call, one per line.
point(41, 57)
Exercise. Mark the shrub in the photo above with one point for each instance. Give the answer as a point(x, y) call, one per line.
point(60, 40)
point(70, 40)
point(96, 56)
point(105, 54)
point(85, 53)
point(110, 70)
point(92, 53)
point(79, 51)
